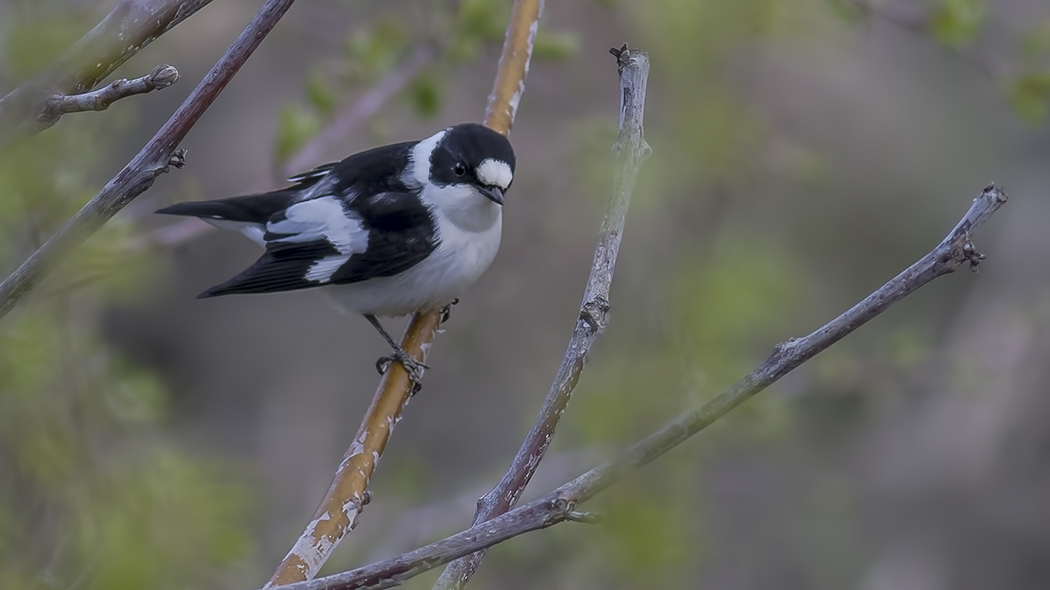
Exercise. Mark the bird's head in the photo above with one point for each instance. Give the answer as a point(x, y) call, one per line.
point(466, 160)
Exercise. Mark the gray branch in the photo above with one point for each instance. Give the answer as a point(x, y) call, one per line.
point(153, 160)
point(560, 505)
point(130, 26)
point(630, 151)
point(99, 100)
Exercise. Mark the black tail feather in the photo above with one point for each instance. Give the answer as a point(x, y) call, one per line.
point(248, 209)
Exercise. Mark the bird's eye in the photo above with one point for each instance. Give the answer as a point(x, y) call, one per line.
point(459, 169)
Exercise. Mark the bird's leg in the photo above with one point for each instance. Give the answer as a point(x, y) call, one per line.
point(446, 312)
point(411, 365)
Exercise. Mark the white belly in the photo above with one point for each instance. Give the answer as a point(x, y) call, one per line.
point(455, 265)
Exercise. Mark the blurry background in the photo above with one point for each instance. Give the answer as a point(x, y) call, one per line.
point(804, 153)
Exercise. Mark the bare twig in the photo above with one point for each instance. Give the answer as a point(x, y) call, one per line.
point(99, 100)
point(130, 26)
point(153, 160)
point(362, 109)
point(630, 151)
point(340, 507)
point(560, 504)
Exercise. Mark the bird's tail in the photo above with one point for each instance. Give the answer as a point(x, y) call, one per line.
point(247, 209)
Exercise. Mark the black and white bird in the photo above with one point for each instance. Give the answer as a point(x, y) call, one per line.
point(389, 231)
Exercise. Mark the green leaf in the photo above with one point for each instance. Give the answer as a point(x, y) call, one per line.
point(1036, 42)
point(294, 128)
point(848, 10)
point(320, 93)
point(957, 22)
point(1030, 95)
point(556, 46)
point(478, 22)
point(375, 50)
point(425, 96)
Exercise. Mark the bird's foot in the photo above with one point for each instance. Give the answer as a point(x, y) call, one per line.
point(413, 367)
point(446, 312)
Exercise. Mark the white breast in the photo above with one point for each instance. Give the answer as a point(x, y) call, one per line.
point(470, 237)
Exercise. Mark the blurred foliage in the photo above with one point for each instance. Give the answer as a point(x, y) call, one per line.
point(93, 494)
point(958, 22)
point(461, 33)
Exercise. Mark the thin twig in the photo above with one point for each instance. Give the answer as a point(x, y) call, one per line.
point(920, 22)
point(630, 150)
point(99, 100)
point(560, 505)
point(130, 26)
point(153, 160)
point(341, 506)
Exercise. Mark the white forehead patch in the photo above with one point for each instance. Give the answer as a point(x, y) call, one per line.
point(495, 173)
point(420, 164)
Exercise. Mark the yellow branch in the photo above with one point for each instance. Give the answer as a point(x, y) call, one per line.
point(513, 65)
point(341, 506)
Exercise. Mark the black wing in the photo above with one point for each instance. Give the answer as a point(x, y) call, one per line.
point(385, 234)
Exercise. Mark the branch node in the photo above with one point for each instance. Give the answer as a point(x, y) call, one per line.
point(163, 76)
point(971, 255)
point(622, 54)
point(177, 160)
point(595, 312)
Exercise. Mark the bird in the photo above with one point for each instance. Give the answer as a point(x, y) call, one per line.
point(386, 232)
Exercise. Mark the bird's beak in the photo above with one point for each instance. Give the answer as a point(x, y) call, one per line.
point(494, 194)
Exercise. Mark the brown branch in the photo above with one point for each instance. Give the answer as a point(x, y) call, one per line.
point(630, 151)
point(153, 160)
point(341, 505)
point(560, 504)
point(513, 65)
point(130, 26)
point(99, 100)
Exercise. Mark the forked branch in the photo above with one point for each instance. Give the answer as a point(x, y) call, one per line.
point(630, 151)
point(130, 26)
point(560, 504)
point(153, 160)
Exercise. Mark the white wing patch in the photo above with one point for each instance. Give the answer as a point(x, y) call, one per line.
point(322, 270)
point(322, 219)
point(494, 172)
point(253, 231)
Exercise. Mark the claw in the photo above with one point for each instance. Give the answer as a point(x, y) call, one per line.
point(446, 312)
point(413, 367)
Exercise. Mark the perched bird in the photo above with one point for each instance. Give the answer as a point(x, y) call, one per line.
point(389, 231)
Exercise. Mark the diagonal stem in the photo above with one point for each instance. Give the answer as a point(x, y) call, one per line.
point(630, 151)
point(152, 161)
